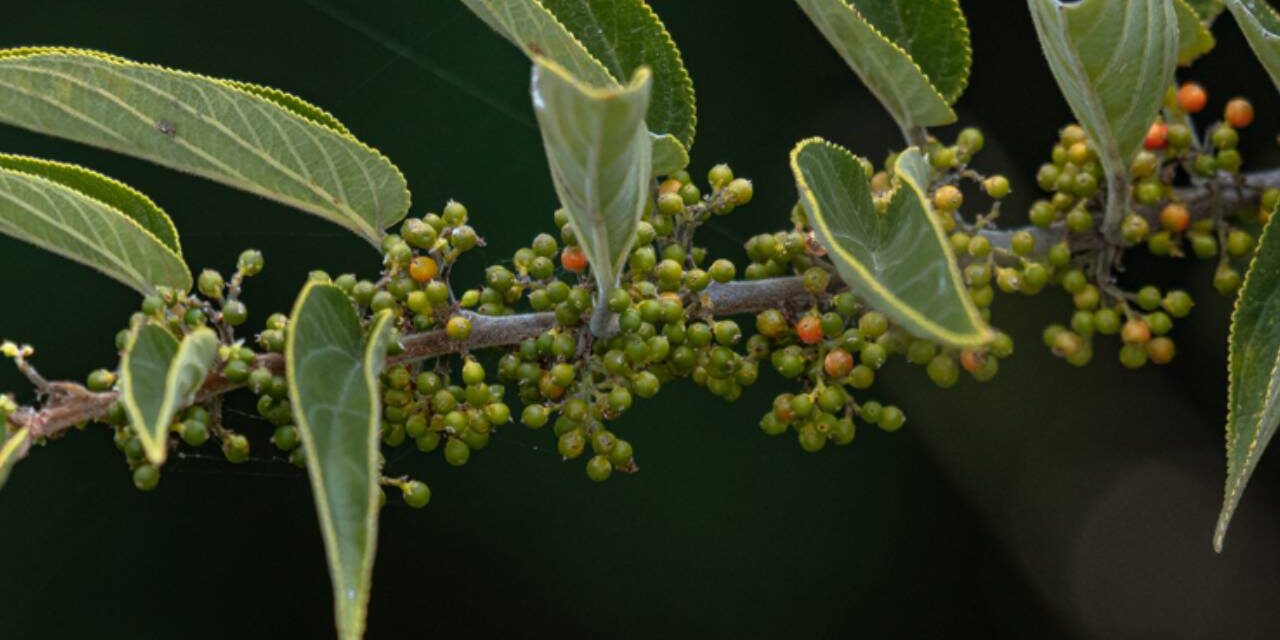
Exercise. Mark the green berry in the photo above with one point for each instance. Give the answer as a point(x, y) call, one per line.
point(599, 468)
point(943, 370)
point(234, 313)
point(1149, 298)
point(146, 477)
point(250, 262)
point(456, 452)
point(210, 284)
point(890, 419)
point(1022, 243)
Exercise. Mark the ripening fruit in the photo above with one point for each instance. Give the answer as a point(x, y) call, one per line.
point(947, 198)
point(809, 329)
point(1136, 332)
point(1191, 97)
point(1157, 137)
point(838, 363)
point(1238, 113)
point(973, 361)
point(1161, 350)
point(458, 328)
point(573, 259)
point(422, 269)
point(1175, 217)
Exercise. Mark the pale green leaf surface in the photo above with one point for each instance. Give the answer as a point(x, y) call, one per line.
point(1208, 10)
point(599, 152)
point(39, 204)
point(1261, 27)
point(333, 374)
point(669, 156)
point(1253, 390)
point(1194, 37)
point(251, 138)
point(159, 376)
point(933, 32)
point(122, 197)
point(10, 450)
point(898, 261)
point(601, 43)
point(883, 66)
point(1113, 62)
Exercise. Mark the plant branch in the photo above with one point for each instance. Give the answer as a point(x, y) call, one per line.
point(71, 404)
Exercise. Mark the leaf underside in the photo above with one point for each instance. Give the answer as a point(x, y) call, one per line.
point(1194, 37)
point(333, 386)
point(1113, 62)
point(599, 152)
point(72, 212)
point(159, 376)
point(248, 137)
point(898, 261)
point(1261, 26)
point(888, 69)
point(1253, 389)
point(602, 43)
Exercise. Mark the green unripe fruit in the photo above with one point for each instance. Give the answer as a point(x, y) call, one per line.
point(235, 448)
point(1149, 191)
point(873, 355)
point(971, 140)
point(456, 452)
point(101, 380)
point(146, 477)
point(195, 433)
point(1074, 281)
point(286, 437)
point(816, 280)
point(890, 419)
point(920, 352)
point(1034, 277)
point(872, 324)
point(234, 313)
point(1239, 243)
point(1160, 243)
point(670, 204)
point(1224, 137)
point(250, 262)
point(1159, 323)
point(210, 284)
point(979, 246)
point(1226, 279)
point(1148, 298)
point(1042, 213)
point(571, 444)
point(1203, 245)
point(1105, 322)
point(1133, 356)
point(740, 191)
point(1060, 255)
point(645, 384)
point(534, 416)
point(996, 186)
point(1134, 229)
point(1144, 164)
point(1178, 136)
point(1178, 303)
point(943, 370)
point(416, 494)
point(458, 328)
point(1079, 220)
point(1022, 243)
point(1087, 298)
point(1205, 165)
point(1082, 323)
point(599, 468)
point(722, 271)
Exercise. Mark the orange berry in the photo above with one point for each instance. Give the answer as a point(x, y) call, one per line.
point(573, 259)
point(1191, 97)
point(422, 269)
point(973, 361)
point(670, 185)
point(809, 330)
point(1161, 350)
point(1239, 113)
point(1157, 137)
point(1174, 217)
point(1136, 332)
point(838, 363)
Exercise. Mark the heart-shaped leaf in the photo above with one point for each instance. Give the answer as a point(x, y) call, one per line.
point(1253, 390)
point(1113, 62)
point(252, 138)
point(92, 219)
point(912, 54)
point(158, 377)
point(898, 260)
point(333, 386)
point(1194, 37)
point(1261, 26)
point(10, 450)
point(602, 43)
point(599, 152)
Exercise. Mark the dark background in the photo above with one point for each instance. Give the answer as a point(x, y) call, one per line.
point(1052, 502)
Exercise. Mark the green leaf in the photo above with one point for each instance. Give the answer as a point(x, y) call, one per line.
point(333, 386)
point(1253, 389)
point(1113, 62)
point(1261, 27)
point(92, 219)
point(669, 156)
point(158, 377)
point(252, 138)
point(899, 261)
point(599, 152)
point(1194, 37)
point(11, 450)
point(912, 54)
point(602, 43)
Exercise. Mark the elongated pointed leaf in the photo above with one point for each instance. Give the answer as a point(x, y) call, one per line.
point(1194, 37)
point(898, 261)
point(92, 219)
point(1113, 62)
point(1253, 390)
point(10, 450)
point(1261, 26)
point(599, 152)
point(602, 43)
point(912, 54)
point(333, 385)
point(159, 376)
point(252, 138)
